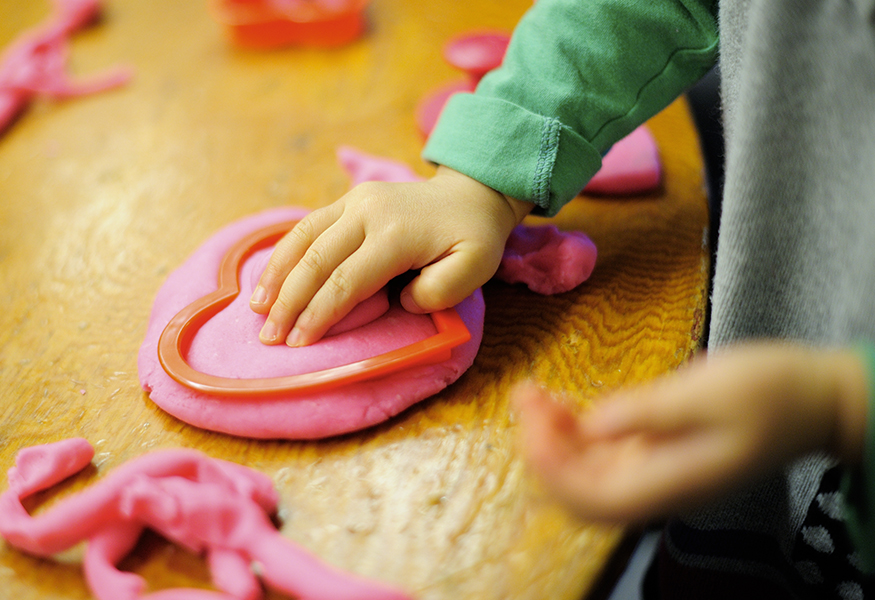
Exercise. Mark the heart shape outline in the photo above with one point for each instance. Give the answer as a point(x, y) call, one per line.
point(175, 339)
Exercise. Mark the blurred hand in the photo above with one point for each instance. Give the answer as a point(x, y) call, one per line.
point(695, 435)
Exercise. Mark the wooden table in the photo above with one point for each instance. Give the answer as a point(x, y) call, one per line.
point(101, 197)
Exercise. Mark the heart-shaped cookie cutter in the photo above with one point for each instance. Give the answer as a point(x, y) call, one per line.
point(176, 338)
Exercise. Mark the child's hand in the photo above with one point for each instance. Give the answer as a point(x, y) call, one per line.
point(692, 436)
point(451, 227)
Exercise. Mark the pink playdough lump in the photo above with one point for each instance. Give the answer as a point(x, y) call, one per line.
point(35, 62)
point(363, 167)
point(208, 506)
point(547, 260)
point(631, 166)
point(477, 53)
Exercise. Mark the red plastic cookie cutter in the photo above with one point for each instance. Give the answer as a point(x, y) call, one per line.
point(276, 23)
point(176, 338)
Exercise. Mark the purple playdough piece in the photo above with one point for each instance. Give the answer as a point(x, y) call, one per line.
point(547, 260)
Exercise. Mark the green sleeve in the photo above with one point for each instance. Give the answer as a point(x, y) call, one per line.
point(859, 482)
point(578, 76)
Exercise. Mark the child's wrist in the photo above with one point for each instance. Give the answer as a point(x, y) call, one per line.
point(519, 208)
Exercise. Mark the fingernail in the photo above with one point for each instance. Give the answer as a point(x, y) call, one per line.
point(409, 303)
point(259, 296)
point(294, 338)
point(268, 332)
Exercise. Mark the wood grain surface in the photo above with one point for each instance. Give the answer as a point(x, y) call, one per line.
point(101, 197)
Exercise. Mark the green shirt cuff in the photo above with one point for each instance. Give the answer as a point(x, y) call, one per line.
point(540, 160)
point(858, 485)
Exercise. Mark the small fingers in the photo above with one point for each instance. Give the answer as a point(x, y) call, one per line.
point(669, 404)
point(620, 461)
point(286, 254)
point(448, 281)
point(550, 431)
point(580, 472)
point(357, 278)
point(318, 265)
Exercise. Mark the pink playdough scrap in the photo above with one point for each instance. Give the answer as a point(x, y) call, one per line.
point(209, 506)
point(631, 166)
point(547, 260)
point(36, 62)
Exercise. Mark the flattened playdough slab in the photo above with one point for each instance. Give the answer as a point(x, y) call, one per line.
point(228, 345)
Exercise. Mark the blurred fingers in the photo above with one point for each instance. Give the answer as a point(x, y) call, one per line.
point(611, 465)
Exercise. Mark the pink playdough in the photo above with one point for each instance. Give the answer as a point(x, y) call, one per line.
point(209, 506)
point(631, 166)
point(363, 167)
point(547, 260)
point(35, 63)
point(477, 53)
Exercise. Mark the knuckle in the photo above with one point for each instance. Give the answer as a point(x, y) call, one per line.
point(273, 272)
point(300, 236)
point(283, 309)
point(314, 262)
point(368, 190)
point(371, 196)
point(304, 232)
point(339, 286)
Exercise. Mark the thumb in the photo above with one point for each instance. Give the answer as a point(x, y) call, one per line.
point(447, 282)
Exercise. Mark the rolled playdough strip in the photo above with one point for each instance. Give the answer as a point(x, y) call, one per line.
point(228, 346)
point(35, 63)
point(212, 507)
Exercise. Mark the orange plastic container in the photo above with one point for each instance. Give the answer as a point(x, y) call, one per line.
point(264, 24)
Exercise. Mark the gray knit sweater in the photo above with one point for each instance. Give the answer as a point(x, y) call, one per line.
point(797, 243)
